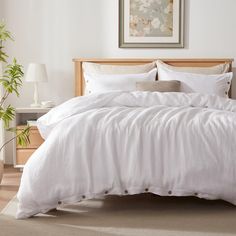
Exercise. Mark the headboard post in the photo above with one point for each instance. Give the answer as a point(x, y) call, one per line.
point(79, 79)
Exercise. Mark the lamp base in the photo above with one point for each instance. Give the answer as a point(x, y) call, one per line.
point(35, 105)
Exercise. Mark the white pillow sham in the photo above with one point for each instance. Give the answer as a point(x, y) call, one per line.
point(95, 68)
point(97, 83)
point(213, 70)
point(206, 84)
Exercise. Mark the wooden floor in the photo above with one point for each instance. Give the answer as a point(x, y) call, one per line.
point(9, 185)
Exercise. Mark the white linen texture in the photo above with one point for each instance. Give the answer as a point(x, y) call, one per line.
point(169, 144)
point(101, 83)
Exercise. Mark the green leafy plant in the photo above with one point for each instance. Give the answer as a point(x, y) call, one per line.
point(5, 35)
point(11, 81)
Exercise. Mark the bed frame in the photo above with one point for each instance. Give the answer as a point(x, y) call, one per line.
point(79, 79)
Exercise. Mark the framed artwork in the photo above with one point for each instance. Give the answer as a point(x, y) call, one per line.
point(151, 23)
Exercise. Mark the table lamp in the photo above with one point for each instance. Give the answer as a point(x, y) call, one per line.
point(36, 73)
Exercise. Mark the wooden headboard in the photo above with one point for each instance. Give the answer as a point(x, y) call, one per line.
point(79, 79)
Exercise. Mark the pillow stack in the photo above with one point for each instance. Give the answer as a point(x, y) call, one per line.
point(101, 78)
point(207, 80)
point(105, 78)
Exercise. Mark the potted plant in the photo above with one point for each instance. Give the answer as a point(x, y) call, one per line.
point(10, 82)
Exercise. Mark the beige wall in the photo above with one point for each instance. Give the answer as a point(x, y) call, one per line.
point(55, 31)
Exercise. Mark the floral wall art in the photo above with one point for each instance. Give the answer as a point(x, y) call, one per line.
point(151, 18)
point(151, 23)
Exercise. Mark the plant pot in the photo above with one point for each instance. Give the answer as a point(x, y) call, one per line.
point(1, 170)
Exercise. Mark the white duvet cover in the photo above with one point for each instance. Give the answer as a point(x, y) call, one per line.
point(132, 142)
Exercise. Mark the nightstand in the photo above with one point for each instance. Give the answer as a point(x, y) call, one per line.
point(22, 154)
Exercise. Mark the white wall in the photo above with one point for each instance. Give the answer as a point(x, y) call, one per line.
point(55, 31)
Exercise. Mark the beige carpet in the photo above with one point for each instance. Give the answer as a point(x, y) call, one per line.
point(141, 215)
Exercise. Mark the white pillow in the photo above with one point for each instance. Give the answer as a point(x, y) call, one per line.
point(95, 68)
point(96, 83)
point(198, 83)
point(213, 70)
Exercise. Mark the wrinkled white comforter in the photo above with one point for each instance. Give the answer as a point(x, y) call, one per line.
point(132, 142)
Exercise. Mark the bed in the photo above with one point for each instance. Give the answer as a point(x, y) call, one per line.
point(132, 142)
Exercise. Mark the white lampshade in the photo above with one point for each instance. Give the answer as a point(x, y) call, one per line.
point(36, 73)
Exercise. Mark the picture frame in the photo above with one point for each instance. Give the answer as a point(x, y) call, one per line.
point(151, 23)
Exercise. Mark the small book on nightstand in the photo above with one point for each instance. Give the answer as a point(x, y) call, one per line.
point(32, 122)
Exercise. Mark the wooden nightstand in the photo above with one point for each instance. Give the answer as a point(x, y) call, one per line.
point(22, 154)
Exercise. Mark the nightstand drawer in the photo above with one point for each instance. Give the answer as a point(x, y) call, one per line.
point(23, 117)
point(22, 155)
point(35, 138)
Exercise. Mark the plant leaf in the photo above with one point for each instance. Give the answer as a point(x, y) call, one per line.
point(7, 115)
point(23, 137)
point(12, 78)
